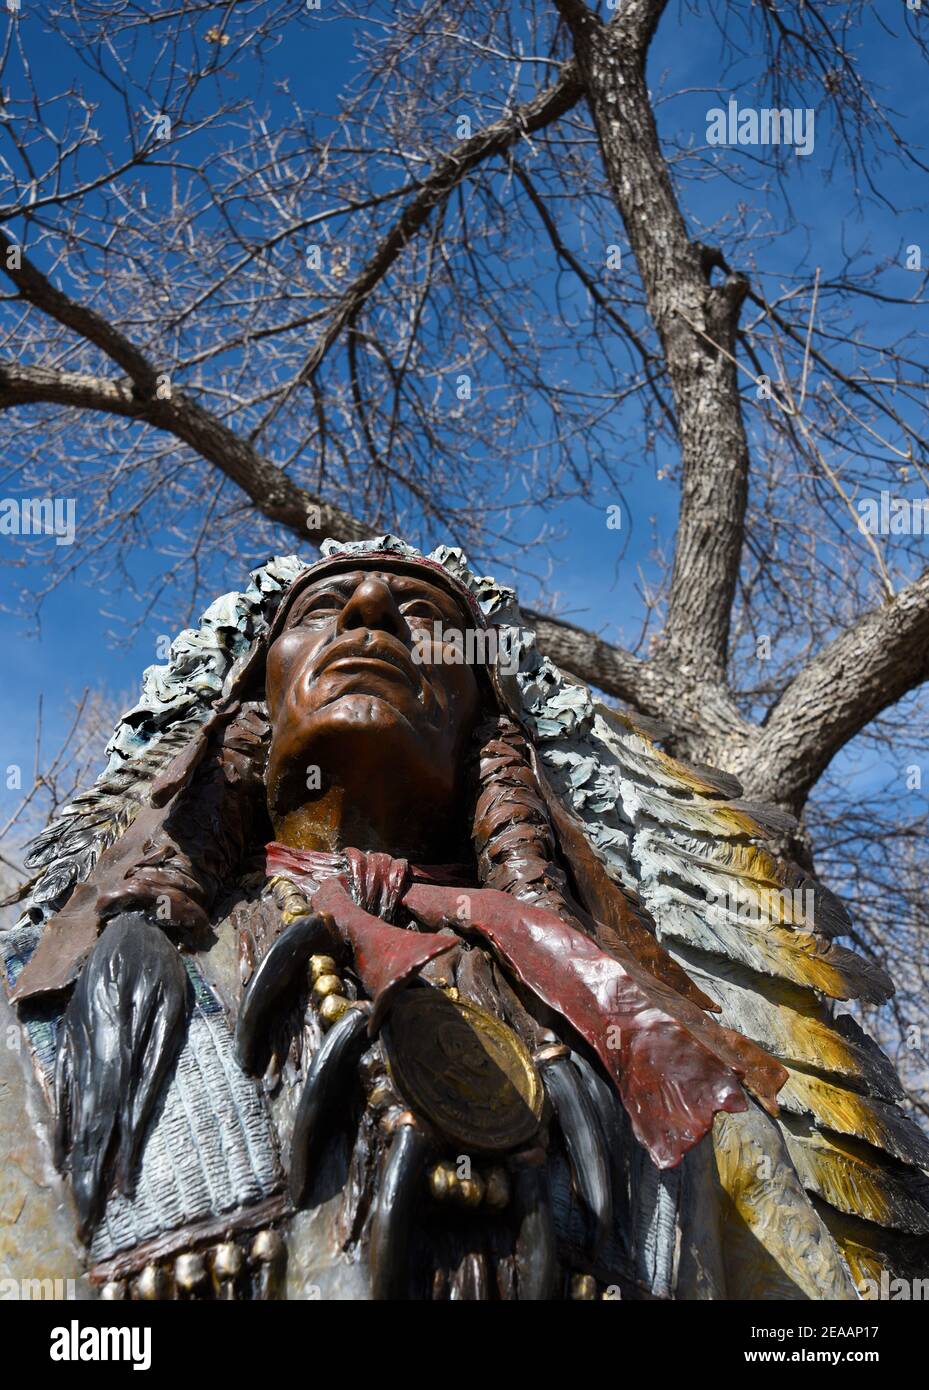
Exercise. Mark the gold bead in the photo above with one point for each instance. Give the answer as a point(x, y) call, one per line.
point(152, 1284)
point(380, 1096)
point(496, 1188)
point(471, 1190)
point(268, 1247)
point(292, 903)
point(442, 1181)
point(113, 1291)
point(583, 1286)
point(227, 1260)
point(327, 984)
point(333, 1007)
point(452, 993)
point(190, 1271)
point(321, 965)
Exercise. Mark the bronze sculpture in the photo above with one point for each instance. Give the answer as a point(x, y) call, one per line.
point(470, 930)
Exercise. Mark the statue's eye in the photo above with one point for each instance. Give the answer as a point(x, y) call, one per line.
point(319, 608)
point(424, 610)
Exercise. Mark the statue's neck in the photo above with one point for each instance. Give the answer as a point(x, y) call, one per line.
point(334, 820)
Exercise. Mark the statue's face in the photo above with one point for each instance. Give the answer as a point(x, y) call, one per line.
point(347, 698)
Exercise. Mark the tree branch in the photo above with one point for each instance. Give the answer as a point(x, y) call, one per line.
point(652, 364)
point(37, 289)
point(587, 656)
point(870, 666)
point(547, 106)
point(274, 494)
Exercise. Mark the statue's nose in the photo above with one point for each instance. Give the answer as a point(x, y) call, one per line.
point(373, 605)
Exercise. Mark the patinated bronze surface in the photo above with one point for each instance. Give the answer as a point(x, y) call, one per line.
point(464, 1037)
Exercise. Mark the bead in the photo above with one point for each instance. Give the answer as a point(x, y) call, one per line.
point(327, 984)
point(227, 1260)
point(113, 1291)
point(190, 1272)
point(321, 965)
point(333, 1007)
point(269, 1253)
point(442, 1181)
point(152, 1284)
point(381, 1096)
point(471, 1190)
point(583, 1286)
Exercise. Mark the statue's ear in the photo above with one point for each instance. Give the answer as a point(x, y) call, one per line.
point(120, 1036)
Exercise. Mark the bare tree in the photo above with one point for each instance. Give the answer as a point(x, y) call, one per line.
point(476, 288)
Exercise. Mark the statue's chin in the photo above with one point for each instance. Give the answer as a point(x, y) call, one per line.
point(363, 709)
point(365, 748)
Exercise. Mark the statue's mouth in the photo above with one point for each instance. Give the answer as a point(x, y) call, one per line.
point(384, 657)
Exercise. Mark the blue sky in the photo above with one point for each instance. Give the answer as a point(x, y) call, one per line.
point(76, 647)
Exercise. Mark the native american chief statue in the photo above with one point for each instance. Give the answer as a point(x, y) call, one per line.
point(384, 961)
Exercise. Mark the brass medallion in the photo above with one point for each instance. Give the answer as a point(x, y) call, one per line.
point(463, 1070)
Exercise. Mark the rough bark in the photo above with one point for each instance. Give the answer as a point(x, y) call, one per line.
point(693, 318)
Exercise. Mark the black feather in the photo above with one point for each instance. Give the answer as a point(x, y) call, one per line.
point(401, 1186)
point(120, 1037)
point(327, 1084)
point(277, 978)
point(584, 1140)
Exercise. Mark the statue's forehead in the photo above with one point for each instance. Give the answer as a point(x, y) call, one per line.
point(407, 577)
point(403, 586)
point(347, 580)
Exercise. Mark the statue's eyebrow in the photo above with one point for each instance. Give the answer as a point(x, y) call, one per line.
point(334, 583)
point(343, 583)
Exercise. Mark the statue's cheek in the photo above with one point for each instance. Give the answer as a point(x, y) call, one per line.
point(289, 655)
point(461, 697)
point(275, 679)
